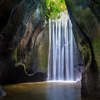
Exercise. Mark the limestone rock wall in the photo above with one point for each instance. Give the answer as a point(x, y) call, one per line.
point(85, 17)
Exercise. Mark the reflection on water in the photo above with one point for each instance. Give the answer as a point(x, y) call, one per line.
point(43, 91)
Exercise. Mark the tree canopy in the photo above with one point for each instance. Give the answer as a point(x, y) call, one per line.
point(54, 7)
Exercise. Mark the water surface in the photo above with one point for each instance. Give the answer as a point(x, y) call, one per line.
point(43, 91)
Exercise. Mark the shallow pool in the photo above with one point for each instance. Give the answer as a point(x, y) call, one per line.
point(43, 91)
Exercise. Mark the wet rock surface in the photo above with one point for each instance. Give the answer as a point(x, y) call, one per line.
point(23, 41)
point(86, 27)
point(2, 93)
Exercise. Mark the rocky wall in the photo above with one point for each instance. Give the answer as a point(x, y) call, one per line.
point(84, 15)
point(29, 61)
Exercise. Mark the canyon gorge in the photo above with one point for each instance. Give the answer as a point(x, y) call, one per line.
point(34, 46)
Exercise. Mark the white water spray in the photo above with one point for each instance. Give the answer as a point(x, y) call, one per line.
point(60, 65)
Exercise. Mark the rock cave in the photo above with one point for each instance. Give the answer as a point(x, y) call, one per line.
point(47, 47)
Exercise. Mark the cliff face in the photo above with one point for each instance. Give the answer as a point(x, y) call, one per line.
point(23, 41)
point(85, 17)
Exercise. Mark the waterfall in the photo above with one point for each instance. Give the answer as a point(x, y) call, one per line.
point(71, 51)
point(60, 62)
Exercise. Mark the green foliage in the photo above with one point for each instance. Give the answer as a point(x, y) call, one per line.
point(54, 7)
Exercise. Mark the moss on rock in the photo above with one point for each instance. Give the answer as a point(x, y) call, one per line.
point(84, 15)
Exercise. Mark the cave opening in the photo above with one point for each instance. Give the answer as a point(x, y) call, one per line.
point(64, 61)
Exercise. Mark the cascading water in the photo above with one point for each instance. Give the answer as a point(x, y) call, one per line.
point(60, 63)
